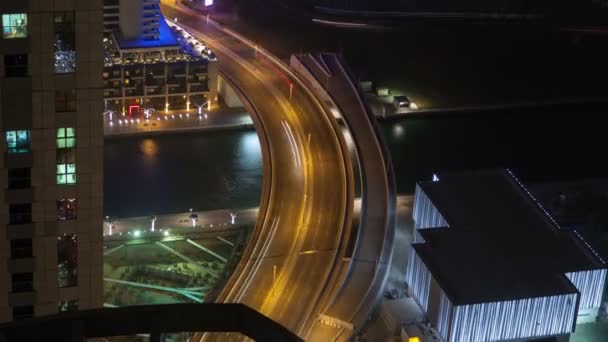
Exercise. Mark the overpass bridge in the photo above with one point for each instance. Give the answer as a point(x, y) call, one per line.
point(297, 265)
point(366, 262)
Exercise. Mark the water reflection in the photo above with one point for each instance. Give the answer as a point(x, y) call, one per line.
point(398, 131)
point(172, 173)
point(249, 152)
point(149, 148)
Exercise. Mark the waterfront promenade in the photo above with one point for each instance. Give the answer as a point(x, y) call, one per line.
point(215, 220)
point(178, 121)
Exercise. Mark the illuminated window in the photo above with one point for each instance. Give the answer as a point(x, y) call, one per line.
point(14, 25)
point(66, 209)
point(65, 100)
point(66, 166)
point(66, 137)
point(68, 305)
point(67, 260)
point(18, 141)
point(65, 42)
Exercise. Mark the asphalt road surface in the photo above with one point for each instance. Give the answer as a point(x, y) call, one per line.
point(294, 246)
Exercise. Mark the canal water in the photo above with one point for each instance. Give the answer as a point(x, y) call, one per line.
point(206, 171)
point(173, 173)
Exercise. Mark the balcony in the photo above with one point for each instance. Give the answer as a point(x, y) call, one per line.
point(22, 298)
point(152, 319)
point(134, 91)
point(198, 88)
point(177, 89)
point(20, 231)
point(24, 195)
point(21, 265)
point(18, 160)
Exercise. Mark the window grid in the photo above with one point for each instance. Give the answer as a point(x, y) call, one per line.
point(14, 25)
point(18, 141)
point(66, 137)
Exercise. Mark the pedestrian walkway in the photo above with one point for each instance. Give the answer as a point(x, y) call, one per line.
point(178, 121)
point(215, 220)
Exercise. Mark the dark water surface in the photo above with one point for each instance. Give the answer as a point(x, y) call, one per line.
point(173, 173)
point(206, 171)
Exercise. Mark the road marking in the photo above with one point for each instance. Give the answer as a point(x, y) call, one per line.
point(205, 249)
point(338, 23)
point(185, 258)
point(335, 322)
point(187, 294)
point(226, 241)
point(112, 250)
point(292, 142)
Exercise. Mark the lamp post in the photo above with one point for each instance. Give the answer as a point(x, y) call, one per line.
point(110, 224)
point(153, 223)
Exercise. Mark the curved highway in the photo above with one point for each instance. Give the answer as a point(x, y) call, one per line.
point(308, 193)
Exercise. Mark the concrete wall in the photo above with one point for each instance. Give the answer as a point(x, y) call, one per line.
point(130, 18)
point(228, 94)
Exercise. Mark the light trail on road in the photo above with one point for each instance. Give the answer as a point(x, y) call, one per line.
point(274, 277)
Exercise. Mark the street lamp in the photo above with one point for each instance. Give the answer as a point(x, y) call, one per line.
point(232, 218)
point(193, 218)
point(110, 224)
point(153, 218)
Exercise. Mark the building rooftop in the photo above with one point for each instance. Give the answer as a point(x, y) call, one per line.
point(166, 40)
point(500, 244)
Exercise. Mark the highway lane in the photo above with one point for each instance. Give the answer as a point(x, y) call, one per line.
point(310, 198)
point(361, 288)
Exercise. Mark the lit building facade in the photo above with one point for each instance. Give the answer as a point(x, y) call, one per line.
point(136, 18)
point(167, 71)
point(51, 94)
point(490, 264)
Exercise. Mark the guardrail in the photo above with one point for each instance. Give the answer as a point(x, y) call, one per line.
point(156, 320)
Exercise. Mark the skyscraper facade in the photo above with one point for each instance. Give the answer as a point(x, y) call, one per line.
point(51, 101)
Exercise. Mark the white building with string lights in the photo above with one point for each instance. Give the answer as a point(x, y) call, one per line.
point(488, 263)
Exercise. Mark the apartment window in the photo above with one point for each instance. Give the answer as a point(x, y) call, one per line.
point(21, 248)
point(66, 209)
point(23, 282)
point(68, 305)
point(65, 101)
point(66, 166)
point(14, 25)
point(18, 141)
point(23, 312)
point(20, 213)
point(15, 65)
point(66, 137)
point(19, 178)
point(65, 42)
point(67, 260)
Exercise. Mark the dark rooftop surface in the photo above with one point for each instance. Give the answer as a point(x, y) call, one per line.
point(500, 244)
point(166, 39)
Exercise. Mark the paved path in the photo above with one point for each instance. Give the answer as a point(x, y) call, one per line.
point(179, 121)
point(216, 220)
